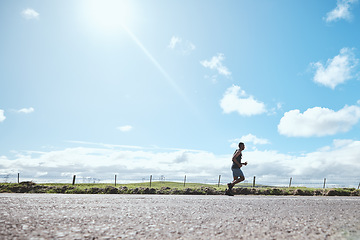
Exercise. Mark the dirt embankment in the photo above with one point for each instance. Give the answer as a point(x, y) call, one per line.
point(30, 187)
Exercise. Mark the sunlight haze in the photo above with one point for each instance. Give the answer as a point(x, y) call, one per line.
point(168, 88)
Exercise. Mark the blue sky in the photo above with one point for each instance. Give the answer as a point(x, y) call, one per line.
point(169, 88)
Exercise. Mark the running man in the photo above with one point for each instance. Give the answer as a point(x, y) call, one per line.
point(236, 168)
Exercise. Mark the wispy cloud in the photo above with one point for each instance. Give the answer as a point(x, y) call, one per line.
point(318, 121)
point(236, 100)
point(341, 11)
point(125, 128)
point(216, 63)
point(173, 42)
point(29, 14)
point(104, 145)
point(275, 109)
point(26, 110)
point(2, 115)
point(183, 47)
point(336, 70)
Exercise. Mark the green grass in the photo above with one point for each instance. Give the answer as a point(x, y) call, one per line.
point(155, 185)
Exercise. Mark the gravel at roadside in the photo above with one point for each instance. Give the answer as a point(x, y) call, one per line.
point(105, 216)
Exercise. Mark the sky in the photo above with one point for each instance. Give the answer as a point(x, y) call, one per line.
point(169, 88)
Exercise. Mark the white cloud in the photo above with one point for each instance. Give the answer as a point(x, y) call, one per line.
point(2, 115)
point(30, 13)
point(341, 156)
point(337, 70)
point(102, 163)
point(236, 100)
point(216, 63)
point(125, 128)
point(342, 11)
point(253, 139)
point(249, 139)
point(328, 161)
point(199, 166)
point(318, 121)
point(26, 110)
point(183, 47)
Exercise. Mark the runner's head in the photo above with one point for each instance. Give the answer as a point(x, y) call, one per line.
point(241, 146)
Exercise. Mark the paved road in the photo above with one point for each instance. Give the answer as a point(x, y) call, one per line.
point(57, 216)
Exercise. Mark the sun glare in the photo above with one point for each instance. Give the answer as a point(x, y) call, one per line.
point(108, 15)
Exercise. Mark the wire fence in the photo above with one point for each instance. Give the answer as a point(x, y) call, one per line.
point(272, 181)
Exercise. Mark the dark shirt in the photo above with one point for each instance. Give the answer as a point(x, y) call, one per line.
point(234, 165)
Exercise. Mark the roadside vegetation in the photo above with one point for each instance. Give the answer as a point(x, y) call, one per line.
point(170, 188)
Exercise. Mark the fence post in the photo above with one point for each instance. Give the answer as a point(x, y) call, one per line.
point(74, 180)
point(184, 180)
point(290, 182)
point(18, 177)
point(115, 180)
point(219, 181)
point(150, 179)
point(359, 186)
point(324, 182)
point(254, 182)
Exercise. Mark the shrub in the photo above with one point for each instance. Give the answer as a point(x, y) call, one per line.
point(318, 193)
point(134, 191)
point(152, 191)
point(244, 191)
point(23, 187)
point(111, 190)
point(188, 191)
point(298, 192)
point(301, 192)
point(95, 190)
point(355, 193)
point(338, 192)
point(27, 183)
point(164, 190)
point(264, 191)
point(75, 191)
point(175, 191)
point(53, 190)
point(123, 189)
point(208, 190)
point(276, 191)
point(147, 190)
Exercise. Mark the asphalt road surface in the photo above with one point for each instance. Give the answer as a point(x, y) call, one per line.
point(58, 216)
